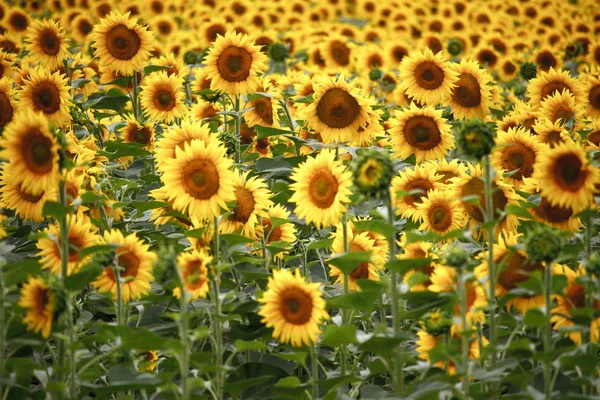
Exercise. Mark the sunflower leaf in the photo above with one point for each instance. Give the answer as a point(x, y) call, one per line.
point(264, 132)
point(338, 335)
point(402, 266)
point(350, 261)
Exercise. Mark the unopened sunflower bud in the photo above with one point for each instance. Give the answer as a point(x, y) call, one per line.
point(475, 138)
point(165, 267)
point(373, 171)
point(543, 244)
point(278, 52)
point(375, 74)
point(191, 58)
point(437, 322)
point(456, 257)
point(455, 47)
point(572, 50)
point(528, 70)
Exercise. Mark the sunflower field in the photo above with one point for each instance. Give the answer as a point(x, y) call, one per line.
point(298, 199)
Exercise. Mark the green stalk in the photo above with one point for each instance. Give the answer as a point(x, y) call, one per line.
point(462, 291)
point(136, 104)
point(119, 300)
point(184, 335)
point(589, 288)
point(548, 331)
point(314, 353)
point(3, 319)
point(217, 328)
point(489, 217)
point(345, 288)
point(238, 123)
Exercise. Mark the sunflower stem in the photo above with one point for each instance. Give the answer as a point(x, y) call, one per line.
point(217, 332)
point(3, 319)
point(238, 124)
point(548, 331)
point(588, 288)
point(119, 299)
point(184, 335)
point(462, 288)
point(314, 354)
point(345, 288)
point(136, 105)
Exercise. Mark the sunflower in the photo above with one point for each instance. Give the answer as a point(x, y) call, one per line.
point(321, 189)
point(178, 137)
point(507, 68)
point(149, 362)
point(47, 93)
point(263, 110)
point(121, 44)
point(592, 95)
point(516, 151)
point(15, 197)
point(134, 132)
point(40, 303)
point(447, 170)
point(233, 64)
point(551, 133)
point(134, 260)
point(422, 132)
point(81, 27)
point(416, 250)
point(282, 232)
point(471, 97)
point(338, 111)
point(10, 43)
point(32, 151)
point(418, 179)
point(545, 58)
point(6, 64)
point(547, 83)
point(427, 78)
point(251, 201)
point(573, 298)
point(17, 20)
point(162, 98)
point(175, 65)
point(380, 249)
point(561, 107)
point(7, 103)
point(193, 267)
point(293, 307)
point(426, 342)
point(439, 213)
point(81, 236)
point(556, 216)
point(336, 50)
point(199, 180)
point(515, 268)
point(46, 43)
point(565, 176)
point(205, 112)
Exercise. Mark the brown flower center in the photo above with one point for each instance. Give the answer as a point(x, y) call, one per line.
point(275, 233)
point(594, 97)
point(475, 187)
point(440, 217)
point(123, 43)
point(487, 57)
point(8, 46)
point(517, 269)
point(467, 92)
point(214, 30)
point(337, 108)
point(129, 263)
point(42, 298)
point(264, 108)
point(49, 42)
point(422, 132)
point(201, 179)
point(520, 158)
point(234, 64)
point(552, 138)
point(562, 112)
point(164, 99)
point(296, 306)
point(6, 109)
point(27, 196)
point(594, 137)
point(323, 188)
point(553, 87)
point(568, 172)
point(550, 213)
point(262, 146)
point(545, 60)
point(429, 75)
point(141, 135)
point(509, 68)
point(84, 27)
point(340, 52)
point(37, 152)
point(399, 52)
point(18, 21)
point(46, 97)
point(76, 243)
point(423, 184)
point(244, 207)
point(195, 275)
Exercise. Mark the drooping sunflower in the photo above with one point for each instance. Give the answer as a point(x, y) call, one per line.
point(199, 180)
point(321, 189)
point(81, 235)
point(193, 268)
point(46, 43)
point(8, 105)
point(420, 180)
point(416, 250)
point(592, 95)
point(40, 303)
point(471, 97)
point(162, 97)
point(293, 307)
point(439, 213)
point(422, 132)
point(121, 44)
point(556, 216)
point(47, 93)
point(427, 78)
point(565, 176)
point(134, 132)
point(338, 110)
point(233, 64)
point(32, 151)
point(516, 151)
point(547, 83)
point(251, 202)
point(134, 259)
point(26, 205)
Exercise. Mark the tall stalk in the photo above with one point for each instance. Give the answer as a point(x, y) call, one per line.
point(345, 288)
point(489, 217)
point(184, 335)
point(314, 353)
point(217, 328)
point(238, 124)
point(119, 299)
point(135, 102)
point(398, 375)
point(548, 331)
point(462, 292)
point(3, 326)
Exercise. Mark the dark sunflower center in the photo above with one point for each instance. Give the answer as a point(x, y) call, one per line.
point(76, 243)
point(49, 43)
point(244, 206)
point(422, 184)
point(568, 172)
point(429, 75)
point(552, 87)
point(164, 100)
point(37, 152)
point(6, 110)
point(323, 188)
point(337, 108)
point(263, 145)
point(275, 233)
point(520, 158)
point(201, 179)
point(467, 92)
point(422, 132)
point(509, 68)
point(129, 263)
point(399, 53)
point(475, 187)
point(440, 217)
point(360, 272)
point(550, 213)
point(141, 136)
point(546, 60)
point(340, 52)
point(296, 306)
point(8, 46)
point(517, 269)
point(562, 112)
point(46, 97)
point(18, 21)
point(594, 97)
point(234, 64)
point(41, 299)
point(123, 43)
point(488, 58)
point(27, 196)
point(553, 138)
point(85, 28)
point(264, 109)
point(594, 137)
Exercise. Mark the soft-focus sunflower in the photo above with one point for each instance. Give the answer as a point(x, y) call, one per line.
point(547, 83)
point(551, 133)
point(134, 132)
point(199, 180)
point(193, 268)
point(561, 107)
point(8, 105)
point(471, 97)
point(427, 342)
point(396, 51)
point(447, 170)
point(6, 64)
point(293, 308)
point(264, 109)
point(47, 93)
point(251, 202)
point(233, 64)
point(121, 44)
point(516, 151)
point(162, 97)
point(174, 63)
point(507, 68)
point(380, 249)
point(47, 44)
point(149, 362)
point(419, 179)
point(439, 213)
point(592, 95)
point(40, 303)
point(565, 176)
point(281, 232)
point(134, 259)
point(32, 151)
point(81, 236)
point(321, 189)
point(205, 112)
point(82, 27)
point(515, 268)
point(15, 197)
point(427, 78)
point(416, 250)
point(178, 137)
point(17, 20)
point(10, 43)
point(337, 52)
point(422, 132)
point(545, 58)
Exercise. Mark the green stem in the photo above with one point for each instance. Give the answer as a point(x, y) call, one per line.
point(548, 331)
point(119, 299)
point(589, 287)
point(217, 328)
point(314, 353)
point(489, 217)
point(288, 115)
point(345, 289)
point(464, 336)
point(238, 123)
point(3, 319)
point(136, 104)
point(184, 335)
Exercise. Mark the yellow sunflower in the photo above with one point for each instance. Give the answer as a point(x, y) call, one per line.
point(419, 179)
point(422, 132)
point(439, 213)
point(380, 249)
point(40, 303)
point(251, 202)
point(427, 342)
point(8, 105)
point(427, 78)
point(17, 20)
point(233, 64)
point(15, 197)
point(6, 64)
point(121, 44)
point(283, 232)
point(193, 268)
point(134, 132)
point(293, 307)
point(321, 189)
point(547, 83)
point(175, 65)
point(556, 216)
point(263, 110)
point(551, 133)
point(472, 95)
point(199, 180)
point(162, 97)
point(337, 52)
point(592, 95)
point(205, 112)
point(565, 176)
point(416, 250)
point(135, 262)
point(46, 43)
point(32, 151)
point(447, 170)
point(47, 93)
point(82, 234)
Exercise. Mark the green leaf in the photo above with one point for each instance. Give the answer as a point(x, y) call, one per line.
point(297, 357)
point(264, 132)
point(18, 272)
point(96, 249)
point(334, 335)
point(534, 318)
point(54, 209)
point(350, 261)
point(116, 149)
point(518, 211)
point(233, 239)
point(148, 205)
point(114, 100)
point(382, 344)
point(84, 277)
point(365, 300)
point(153, 68)
point(375, 225)
point(332, 383)
point(123, 379)
point(236, 388)
point(403, 266)
point(242, 345)
point(288, 382)
point(320, 244)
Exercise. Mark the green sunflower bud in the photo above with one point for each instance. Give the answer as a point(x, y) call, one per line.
point(456, 257)
point(543, 244)
point(278, 52)
point(228, 138)
point(375, 74)
point(455, 47)
point(528, 70)
point(165, 267)
point(475, 138)
point(437, 322)
point(373, 171)
point(191, 57)
point(572, 50)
